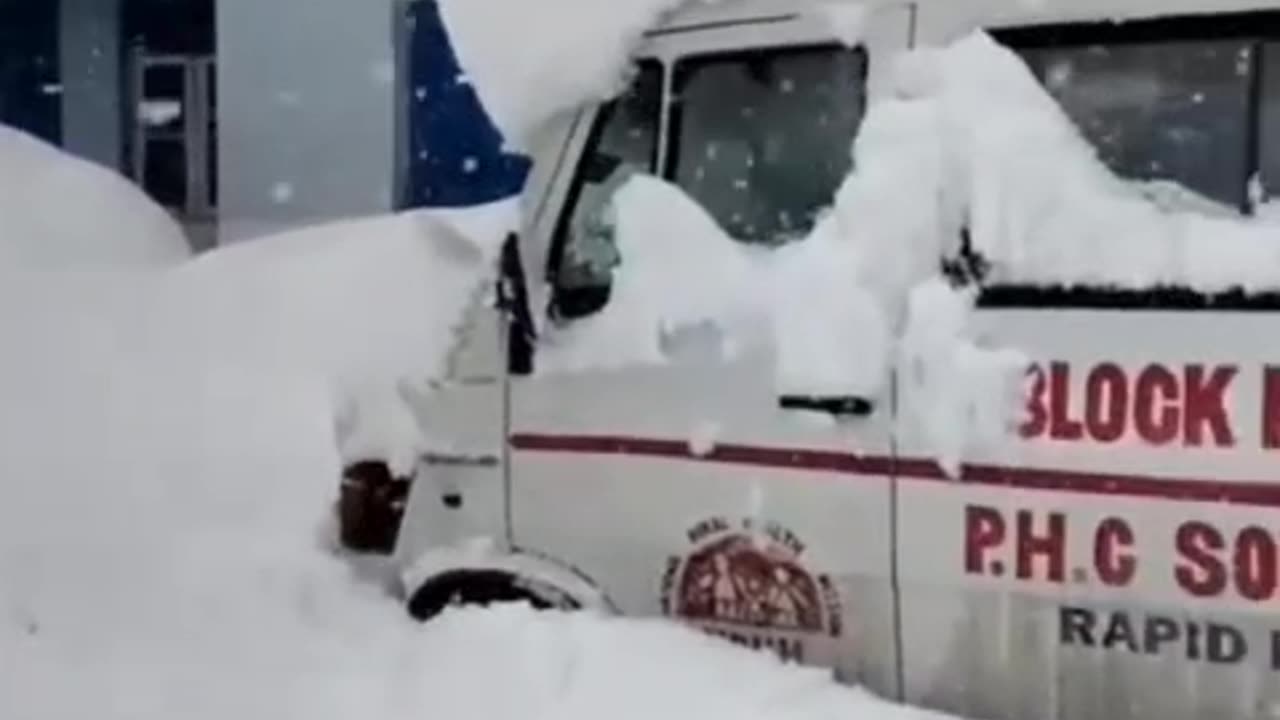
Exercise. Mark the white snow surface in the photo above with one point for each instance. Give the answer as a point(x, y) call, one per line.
point(375, 306)
point(952, 380)
point(58, 211)
point(846, 20)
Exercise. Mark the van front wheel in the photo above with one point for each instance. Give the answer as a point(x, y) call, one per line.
point(481, 588)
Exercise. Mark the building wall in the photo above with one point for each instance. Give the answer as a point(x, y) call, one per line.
point(90, 54)
point(307, 99)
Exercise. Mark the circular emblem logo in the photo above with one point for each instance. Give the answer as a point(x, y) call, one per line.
point(751, 586)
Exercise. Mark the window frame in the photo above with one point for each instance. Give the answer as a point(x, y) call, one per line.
point(1258, 28)
point(665, 151)
point(603, 115)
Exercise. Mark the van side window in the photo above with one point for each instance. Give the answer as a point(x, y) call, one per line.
point(623, 141)
point(1192, 100)
point(762, 139)
point(1268, 187)
point(1160, 110)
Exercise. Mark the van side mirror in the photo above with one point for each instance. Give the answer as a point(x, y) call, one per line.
point(835, 405)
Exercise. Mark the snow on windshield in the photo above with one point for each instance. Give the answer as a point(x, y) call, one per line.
point(58, 211)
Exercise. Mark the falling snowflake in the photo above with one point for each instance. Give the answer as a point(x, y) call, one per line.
point(282, 193)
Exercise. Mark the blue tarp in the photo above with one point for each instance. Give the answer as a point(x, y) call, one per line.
point(456, 156)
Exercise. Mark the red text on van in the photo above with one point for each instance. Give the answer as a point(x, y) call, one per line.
point(1161, 405)
point(1038, 545)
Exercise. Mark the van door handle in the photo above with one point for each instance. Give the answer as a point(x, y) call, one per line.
point(838, 405)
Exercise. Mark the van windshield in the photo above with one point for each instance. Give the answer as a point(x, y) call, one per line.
point(762, 139)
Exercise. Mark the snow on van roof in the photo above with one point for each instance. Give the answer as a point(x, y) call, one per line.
point(525, 78)
point(730, 11)
point(973, 14)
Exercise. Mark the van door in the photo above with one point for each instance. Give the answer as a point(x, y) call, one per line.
point(1120, 559)
point(687, 489)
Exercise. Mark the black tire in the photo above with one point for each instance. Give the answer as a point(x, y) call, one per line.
point(474, 587)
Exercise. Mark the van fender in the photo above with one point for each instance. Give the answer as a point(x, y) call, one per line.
point(480, 572)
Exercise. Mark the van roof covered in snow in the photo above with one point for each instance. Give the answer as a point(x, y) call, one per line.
point(993, 13)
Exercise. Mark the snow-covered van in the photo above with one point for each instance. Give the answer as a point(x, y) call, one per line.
point(1119, 557)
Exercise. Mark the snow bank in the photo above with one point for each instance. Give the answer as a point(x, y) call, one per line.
point(574, 667)
point(375, 306)
point(565, 53)
point(58, 211)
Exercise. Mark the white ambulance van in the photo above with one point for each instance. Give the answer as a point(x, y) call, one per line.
point(1125, 565)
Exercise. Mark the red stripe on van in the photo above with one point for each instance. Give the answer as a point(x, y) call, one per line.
point(1259, 493)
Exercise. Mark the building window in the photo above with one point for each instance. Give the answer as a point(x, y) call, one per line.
point(30, 80)
point(172, 116)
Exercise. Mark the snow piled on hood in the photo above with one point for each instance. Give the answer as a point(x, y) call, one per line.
point(547, 56)
point(58, 211)
point(375, 306)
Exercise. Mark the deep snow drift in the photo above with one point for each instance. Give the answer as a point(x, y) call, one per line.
point(374, 307)
point(57, 210)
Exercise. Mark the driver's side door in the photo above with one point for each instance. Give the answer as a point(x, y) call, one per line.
point(689, 488)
